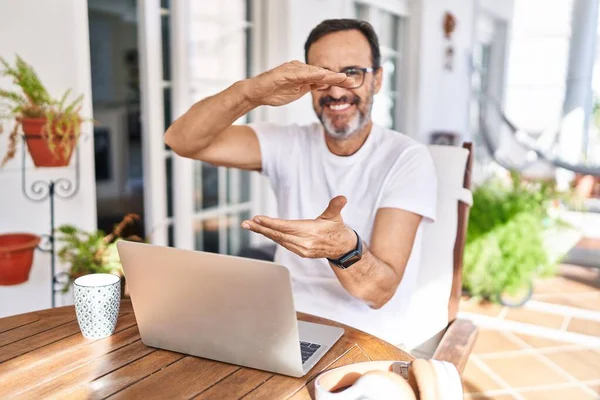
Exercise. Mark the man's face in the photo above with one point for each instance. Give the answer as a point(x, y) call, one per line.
point(344, 112)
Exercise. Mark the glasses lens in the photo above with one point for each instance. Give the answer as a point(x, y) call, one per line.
point(357, 74)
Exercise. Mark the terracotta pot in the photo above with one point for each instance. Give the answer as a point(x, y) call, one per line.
point(38, 145)
point(16, 257)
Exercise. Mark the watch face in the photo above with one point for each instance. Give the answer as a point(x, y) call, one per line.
point(351, 259)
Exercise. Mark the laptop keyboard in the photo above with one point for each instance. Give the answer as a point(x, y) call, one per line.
point(308, 349)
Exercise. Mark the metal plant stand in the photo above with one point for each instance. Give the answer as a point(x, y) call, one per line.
point(38, 191)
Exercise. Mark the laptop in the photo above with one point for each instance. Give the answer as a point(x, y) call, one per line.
point(225, 308)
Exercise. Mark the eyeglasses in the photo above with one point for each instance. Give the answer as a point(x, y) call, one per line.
point(354, 72)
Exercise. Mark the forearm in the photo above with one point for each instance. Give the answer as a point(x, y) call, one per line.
point(370, 280)
point(204, 121)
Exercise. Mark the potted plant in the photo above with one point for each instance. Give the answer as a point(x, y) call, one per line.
point(507, 239)
point(51, 127)
point(93, 252)
point(16, 257)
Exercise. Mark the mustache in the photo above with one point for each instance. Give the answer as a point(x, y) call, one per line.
point(327, 100)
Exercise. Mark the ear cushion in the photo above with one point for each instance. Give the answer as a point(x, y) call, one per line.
point(435, 380)
point(380, 385)
point(427, 380)
point(449, 382)
point(423, 380)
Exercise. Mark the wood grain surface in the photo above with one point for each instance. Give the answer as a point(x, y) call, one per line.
point(43, 354)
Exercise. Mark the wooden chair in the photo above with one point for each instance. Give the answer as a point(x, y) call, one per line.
point(459, 337)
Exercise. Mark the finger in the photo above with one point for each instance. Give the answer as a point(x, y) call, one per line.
point(290, 242)
point(334, 209)
point(287, 241)
point(338, 79)
point(273, 234)
point(316, 86)
point(323, 76)
point(282, 225)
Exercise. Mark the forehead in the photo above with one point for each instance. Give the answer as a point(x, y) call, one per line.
point(340, 49)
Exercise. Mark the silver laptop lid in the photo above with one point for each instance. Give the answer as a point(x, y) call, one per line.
point(225, 308)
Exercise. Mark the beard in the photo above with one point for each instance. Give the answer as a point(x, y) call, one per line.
point(357, 121)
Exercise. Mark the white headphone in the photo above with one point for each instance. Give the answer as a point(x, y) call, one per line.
point(383, 380)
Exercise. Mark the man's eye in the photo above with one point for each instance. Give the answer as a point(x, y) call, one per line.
point(353, 72)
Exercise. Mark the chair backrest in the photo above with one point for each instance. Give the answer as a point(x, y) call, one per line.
point(439, 281)
point(461, 236)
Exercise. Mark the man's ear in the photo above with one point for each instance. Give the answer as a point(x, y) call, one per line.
point(378, 75)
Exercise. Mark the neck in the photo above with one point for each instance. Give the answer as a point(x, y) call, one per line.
point(348, 146)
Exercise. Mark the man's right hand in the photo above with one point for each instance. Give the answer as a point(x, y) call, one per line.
point(205, 132)
point(289, 82)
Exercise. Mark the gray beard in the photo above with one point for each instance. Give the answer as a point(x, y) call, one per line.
point(355, 125)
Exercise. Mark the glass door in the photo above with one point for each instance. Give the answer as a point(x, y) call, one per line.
point(221, 53)
point(486, 83)
point(197, 49)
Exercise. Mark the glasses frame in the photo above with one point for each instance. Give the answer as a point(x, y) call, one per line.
point(365, 71)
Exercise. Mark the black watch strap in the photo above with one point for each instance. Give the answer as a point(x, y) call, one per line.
point(351, 257)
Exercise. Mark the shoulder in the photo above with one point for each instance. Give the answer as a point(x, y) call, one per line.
point(402, 148)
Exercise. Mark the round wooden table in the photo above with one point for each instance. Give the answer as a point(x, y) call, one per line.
point(43, 354)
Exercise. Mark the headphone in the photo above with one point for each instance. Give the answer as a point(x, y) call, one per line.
point(391, 380)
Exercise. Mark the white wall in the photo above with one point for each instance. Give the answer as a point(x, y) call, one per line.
point(443, 94)
point(537, 63)
point(52, 35)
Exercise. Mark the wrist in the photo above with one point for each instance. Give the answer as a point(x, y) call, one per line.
point(246, 90)
point(348, 242)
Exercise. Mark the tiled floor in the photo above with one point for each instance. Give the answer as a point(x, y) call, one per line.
point(548, 349)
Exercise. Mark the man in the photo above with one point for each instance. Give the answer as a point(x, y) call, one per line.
point(352, 196)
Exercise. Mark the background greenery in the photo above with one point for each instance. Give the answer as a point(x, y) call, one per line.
point(504, 249)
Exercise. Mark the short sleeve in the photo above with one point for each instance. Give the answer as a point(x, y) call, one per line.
point(411, 184)
point(275, 141)
point(270, 138)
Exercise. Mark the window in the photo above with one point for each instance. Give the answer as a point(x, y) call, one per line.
point(486, 82)
point(390, 28)
point(220, 54)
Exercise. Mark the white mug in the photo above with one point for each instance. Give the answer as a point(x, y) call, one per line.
point(97, 301)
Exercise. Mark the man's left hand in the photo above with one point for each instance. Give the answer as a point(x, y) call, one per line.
point(324, 237)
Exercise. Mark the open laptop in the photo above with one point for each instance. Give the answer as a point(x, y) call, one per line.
point(224, 308)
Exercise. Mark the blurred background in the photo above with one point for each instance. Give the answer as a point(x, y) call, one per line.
point(520, 79)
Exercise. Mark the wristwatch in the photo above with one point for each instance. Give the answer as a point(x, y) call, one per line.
point(351, 257)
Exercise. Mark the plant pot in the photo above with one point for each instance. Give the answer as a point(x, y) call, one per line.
point(16, 257)
point(37, 144)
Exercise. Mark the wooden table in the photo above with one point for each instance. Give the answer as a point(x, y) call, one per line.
point(43, 354)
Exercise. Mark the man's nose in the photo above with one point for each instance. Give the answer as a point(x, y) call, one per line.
point(337, 92)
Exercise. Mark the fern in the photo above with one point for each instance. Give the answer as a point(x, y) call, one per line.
point(92, 252)
point(12, 97)
point(63, 119)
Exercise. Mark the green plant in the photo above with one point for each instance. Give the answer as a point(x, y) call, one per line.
point(92, 252)
point(504, 249)
point(63, 119)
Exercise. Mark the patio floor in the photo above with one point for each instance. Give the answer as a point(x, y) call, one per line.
point(548, 349)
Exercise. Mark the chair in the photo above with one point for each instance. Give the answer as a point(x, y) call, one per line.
point(455, 338)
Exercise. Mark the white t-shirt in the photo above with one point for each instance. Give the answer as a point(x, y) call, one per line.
point(389, 170)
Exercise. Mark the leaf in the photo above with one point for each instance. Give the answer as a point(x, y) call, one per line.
point(72, 106)
point(67, 229)
point(61, 103)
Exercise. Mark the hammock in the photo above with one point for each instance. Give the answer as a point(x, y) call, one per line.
point(525, 141)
